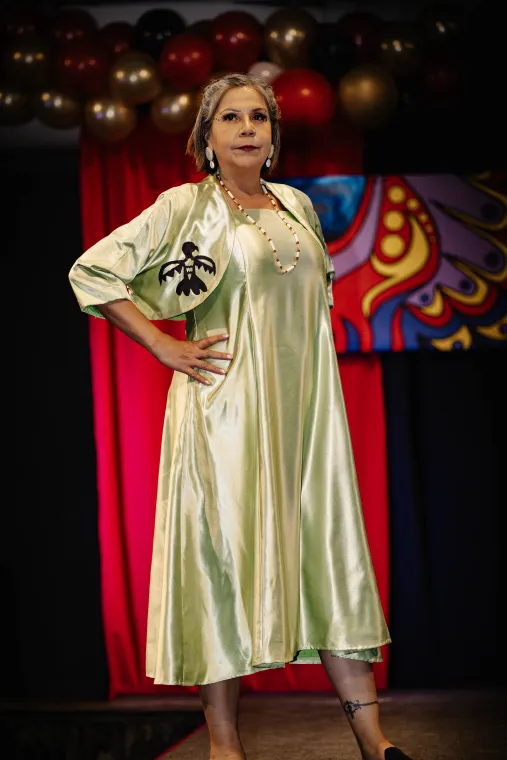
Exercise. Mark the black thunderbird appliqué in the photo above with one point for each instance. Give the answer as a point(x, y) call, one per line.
point(187, 267)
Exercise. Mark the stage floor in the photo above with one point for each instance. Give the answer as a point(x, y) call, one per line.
point(427, 725)
point(436, 725)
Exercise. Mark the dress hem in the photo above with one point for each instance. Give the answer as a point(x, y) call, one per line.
point(346, 653)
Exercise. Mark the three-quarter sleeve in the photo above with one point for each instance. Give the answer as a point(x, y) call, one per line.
point(104, 271)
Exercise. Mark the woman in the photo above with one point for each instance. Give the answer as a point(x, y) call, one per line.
point(260, 554)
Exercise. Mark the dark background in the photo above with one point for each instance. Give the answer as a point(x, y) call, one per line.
point(446, 414)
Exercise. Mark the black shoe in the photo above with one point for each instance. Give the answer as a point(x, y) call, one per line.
point(393, 753)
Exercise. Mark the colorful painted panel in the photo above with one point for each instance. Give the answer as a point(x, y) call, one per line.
point(421, 260)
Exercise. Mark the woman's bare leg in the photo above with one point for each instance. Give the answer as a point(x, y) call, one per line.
point(354, 683)
point(220, 703)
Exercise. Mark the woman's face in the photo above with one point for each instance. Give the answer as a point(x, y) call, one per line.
point(241, 120)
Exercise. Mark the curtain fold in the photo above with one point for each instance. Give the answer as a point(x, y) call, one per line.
point(130, 389)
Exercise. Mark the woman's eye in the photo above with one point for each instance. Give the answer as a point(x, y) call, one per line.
point(257, 117)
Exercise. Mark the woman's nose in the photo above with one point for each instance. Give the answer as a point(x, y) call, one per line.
point(247, 126)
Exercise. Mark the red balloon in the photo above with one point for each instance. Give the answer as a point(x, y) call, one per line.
point(81, 69)
point(186, 61)
point(237, 40)
point(117, 38)
point(305, 97)
point(72, 24)
point(442, 79)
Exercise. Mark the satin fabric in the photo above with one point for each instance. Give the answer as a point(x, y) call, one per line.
point(260, 555)
point(128, 262)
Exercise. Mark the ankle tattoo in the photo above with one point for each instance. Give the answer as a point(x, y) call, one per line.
point(351, 707)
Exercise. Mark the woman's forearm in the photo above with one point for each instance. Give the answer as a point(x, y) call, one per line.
point(124, 315)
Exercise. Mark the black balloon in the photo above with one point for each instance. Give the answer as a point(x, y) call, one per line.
point(400, 48)
point(363, 29)
point(333, 52)
point(154, 28)
point(16, 107)
point(22, 23)
point(204, 28)
point(27, 63)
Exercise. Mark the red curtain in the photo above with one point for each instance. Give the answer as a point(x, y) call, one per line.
point(130, 389)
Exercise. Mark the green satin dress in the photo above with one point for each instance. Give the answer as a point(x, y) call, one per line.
point(260, 555)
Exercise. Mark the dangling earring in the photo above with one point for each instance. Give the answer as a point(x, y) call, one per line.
point(209, 156)
point(268, 160)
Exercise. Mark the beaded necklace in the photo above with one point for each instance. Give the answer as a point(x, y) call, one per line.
point(283, 270)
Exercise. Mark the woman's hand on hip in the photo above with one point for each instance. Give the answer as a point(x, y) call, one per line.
point(188, 356)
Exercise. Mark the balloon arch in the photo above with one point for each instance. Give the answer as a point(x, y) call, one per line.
point(65, 71)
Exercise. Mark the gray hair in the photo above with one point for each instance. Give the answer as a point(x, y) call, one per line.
point(211, 97)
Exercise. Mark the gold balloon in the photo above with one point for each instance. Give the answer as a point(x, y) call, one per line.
point(15, 107)
point(109, 120)
point(26, 63)
point(368, 96)
point(134, 78)
point(288, 36)
point(174, 112)
point(58, 110)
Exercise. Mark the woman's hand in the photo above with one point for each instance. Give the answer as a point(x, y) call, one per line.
point(189, 355)
point(181, 355)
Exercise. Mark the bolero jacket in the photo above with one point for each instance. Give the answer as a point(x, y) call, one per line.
point(172, 256)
